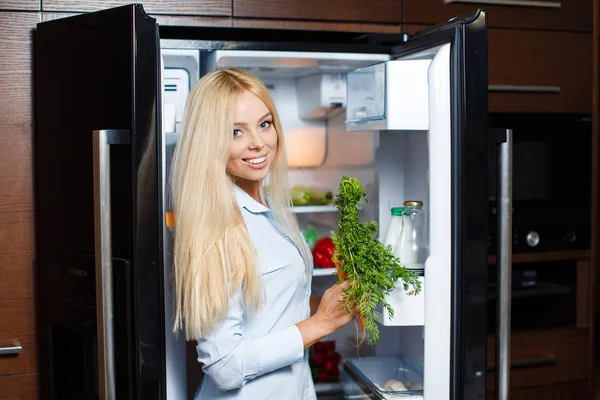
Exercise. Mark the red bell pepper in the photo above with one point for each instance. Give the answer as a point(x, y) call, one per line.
point(322, 253)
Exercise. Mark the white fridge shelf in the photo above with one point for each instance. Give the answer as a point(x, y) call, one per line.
point(314, 209)
point(323, 271)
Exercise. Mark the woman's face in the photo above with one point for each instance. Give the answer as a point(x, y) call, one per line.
point(254, 144)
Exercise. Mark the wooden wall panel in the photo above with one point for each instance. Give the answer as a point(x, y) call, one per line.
point(186, 7)
point(16, 180)
point(332, 10)
point(18, 380)
point(21, 5)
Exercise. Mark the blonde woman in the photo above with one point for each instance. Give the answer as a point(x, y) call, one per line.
point(242, 268)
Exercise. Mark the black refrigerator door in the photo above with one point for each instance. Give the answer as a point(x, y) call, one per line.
point(98, 71)
point(455, 340)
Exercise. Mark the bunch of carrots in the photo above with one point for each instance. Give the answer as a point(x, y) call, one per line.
point(360, 258)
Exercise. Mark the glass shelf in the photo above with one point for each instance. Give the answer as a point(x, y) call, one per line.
point(314, 209)
point(323, 271)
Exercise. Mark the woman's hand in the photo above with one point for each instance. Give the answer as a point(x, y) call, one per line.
point(331, 312)
point(329, 317)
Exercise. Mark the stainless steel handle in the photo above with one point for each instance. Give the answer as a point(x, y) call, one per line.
point(516, 3)
point(504, 265)
point(16, 349)
point(102, 139)
point(524, 88)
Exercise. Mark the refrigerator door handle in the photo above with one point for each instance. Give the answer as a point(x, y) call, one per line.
point(102, 140)
point(503, 139)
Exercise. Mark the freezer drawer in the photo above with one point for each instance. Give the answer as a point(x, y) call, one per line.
point(382, 378)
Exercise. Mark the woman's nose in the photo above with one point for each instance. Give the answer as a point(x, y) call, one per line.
point(256, 142)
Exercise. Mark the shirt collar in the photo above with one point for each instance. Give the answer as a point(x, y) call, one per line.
point(246, 201)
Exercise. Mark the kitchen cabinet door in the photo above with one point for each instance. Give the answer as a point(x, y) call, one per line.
point(19, 387)
point(182, 7)
point(539, 71)
point(331, 10)
point(577, 390)
point(569, 15)
point(16, 193)
point(545, 357)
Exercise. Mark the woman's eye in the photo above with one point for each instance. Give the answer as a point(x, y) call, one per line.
point(237, 133)
point(266, 125)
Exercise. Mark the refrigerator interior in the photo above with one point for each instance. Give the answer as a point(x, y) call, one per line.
point(392, 165)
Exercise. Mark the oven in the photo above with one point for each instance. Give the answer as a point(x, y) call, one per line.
point(551, 181)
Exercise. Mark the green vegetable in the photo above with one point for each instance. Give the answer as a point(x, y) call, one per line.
point(299, 198)
point(313, 196)
point(310, 235)
point(371, 268)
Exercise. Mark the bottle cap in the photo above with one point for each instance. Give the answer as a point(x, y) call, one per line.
point(413, 203)
point(397, 211)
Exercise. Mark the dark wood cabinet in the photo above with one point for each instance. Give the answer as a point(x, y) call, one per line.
point(538, 71)
point(389, 11)
point(19, 387)
point(545, 357)
point(570, 15)
point(183, 7)
point(21, 5)
point(576, 390)
point(17, 371)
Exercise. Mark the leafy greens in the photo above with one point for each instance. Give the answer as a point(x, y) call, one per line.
point(371, 268)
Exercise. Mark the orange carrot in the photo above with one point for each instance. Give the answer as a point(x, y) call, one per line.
point(342, 276)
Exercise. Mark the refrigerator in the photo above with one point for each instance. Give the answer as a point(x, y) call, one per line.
point(406, 115)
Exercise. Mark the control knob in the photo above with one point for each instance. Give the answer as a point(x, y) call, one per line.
point(532, 239)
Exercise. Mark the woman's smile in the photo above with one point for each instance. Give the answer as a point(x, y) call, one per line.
point(257, 162)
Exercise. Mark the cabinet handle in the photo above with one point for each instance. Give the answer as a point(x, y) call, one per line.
point(102, 139)
point(5, 351)
point(544, 361)
point(514, 3)
point(524, 88)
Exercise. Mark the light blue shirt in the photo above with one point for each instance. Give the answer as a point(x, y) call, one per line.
point(260, 355)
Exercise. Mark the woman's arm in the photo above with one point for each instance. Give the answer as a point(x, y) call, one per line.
point(329, 317)
point(231, 359)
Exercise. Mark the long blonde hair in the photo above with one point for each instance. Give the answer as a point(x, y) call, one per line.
point(213, 253)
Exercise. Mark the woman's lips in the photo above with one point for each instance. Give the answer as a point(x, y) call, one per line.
point(256, 162)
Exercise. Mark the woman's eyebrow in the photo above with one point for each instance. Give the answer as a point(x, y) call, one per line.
point(265, 116)
point(245, 124)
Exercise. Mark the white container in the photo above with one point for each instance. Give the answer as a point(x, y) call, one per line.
point(395, 228)
point(393, 95)
point(408, 310)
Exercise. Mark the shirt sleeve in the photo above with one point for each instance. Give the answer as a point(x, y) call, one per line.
point(232, 359)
